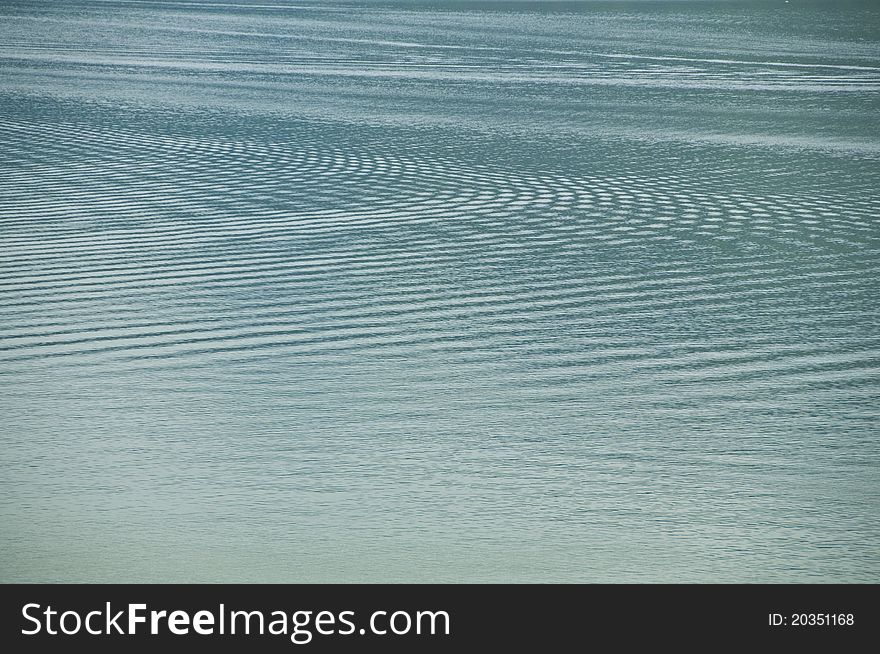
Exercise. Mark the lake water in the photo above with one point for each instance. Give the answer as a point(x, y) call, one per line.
point(439, 291)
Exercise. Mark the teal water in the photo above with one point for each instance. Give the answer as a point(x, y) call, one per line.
point(439, 291)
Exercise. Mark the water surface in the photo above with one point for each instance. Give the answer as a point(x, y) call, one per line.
point(439, 291)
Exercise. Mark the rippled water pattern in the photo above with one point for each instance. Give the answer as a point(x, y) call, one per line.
point(439, 292)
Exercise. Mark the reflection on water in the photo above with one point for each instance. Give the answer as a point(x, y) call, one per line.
point(439, 292)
